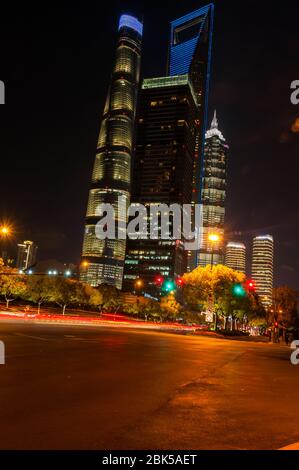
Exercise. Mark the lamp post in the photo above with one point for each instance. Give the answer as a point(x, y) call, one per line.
point(138, 287)
point(213, 239)
point(275, 324)
point(5, 233)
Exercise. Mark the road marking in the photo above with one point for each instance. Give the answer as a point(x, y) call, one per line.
point(32, 337)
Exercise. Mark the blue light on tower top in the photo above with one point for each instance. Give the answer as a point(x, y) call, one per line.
point(129, 21)
point(185, 36)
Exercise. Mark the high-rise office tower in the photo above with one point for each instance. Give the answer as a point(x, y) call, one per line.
point(26, 255)
point(163, 171)
point(213, 195)
point(190, 50)
point(111, 177)
point(190, 53)
point(262, 268)
point(235, 256)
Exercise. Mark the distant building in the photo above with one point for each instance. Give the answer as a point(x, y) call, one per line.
point(26, 257)
point(213, 195)
point(235, 256)
point(53, 267)
point(262, 268)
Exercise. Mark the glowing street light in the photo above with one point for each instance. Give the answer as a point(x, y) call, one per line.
point(213, 239)
point(5, 231)
point(139, 284)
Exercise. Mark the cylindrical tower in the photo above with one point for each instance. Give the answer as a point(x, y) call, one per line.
point(235, 256)
point(111, 177)
point(262, 268)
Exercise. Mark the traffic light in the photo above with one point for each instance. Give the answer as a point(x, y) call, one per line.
point(168, 286)
point(276, 324)
point(159, 281)
point(250, 286)
point(179, 282)
point(238, 290)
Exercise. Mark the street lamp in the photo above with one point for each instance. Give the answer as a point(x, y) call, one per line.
point(213, 239)
point(138, 284)
point(5, 231)
point(138, 288)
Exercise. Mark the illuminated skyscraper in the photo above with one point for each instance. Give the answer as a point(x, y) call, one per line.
point(235, 256)
point(163, 172)
point(26, 255)
point(111, 177)
point(262, 268)
point(190, 52)
point(190, 49)
point(213, 194)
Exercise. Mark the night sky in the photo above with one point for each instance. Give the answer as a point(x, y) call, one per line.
point(56, 64)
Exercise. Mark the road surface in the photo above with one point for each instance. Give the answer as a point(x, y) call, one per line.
point(66, 387)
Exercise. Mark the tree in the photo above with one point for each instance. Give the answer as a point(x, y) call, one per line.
point(12, 286)
point(152, 309)
point(63, 292)
point(132, 309)
point(170, 308)
point(213, 290)
point(108, 293)
point(113, 305)
point(284, 309)
point(38, 290)
point(93, 297)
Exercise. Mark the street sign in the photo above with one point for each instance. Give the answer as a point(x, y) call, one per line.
point(209, 316)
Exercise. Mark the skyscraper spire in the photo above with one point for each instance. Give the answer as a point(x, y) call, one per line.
point(214, 129)
point(214, 124)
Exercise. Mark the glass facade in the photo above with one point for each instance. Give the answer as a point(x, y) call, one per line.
point(111, 176)
point(213, 195)
point(235, 256)
point(163, 172)
point(262, 268)
point(27, 252)
point(190, 52)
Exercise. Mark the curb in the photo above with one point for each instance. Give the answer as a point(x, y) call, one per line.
point(291, 447)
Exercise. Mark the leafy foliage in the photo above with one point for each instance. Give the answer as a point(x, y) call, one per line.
point(213, 290)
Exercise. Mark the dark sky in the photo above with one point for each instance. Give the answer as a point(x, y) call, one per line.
point(56, 63)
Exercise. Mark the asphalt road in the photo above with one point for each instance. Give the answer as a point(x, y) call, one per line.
point(100, 388)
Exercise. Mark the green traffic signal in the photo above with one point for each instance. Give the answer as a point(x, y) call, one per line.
point(168, 286)
point(238, 290)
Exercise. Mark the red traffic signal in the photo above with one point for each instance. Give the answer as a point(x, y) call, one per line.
point(159, 280)
point(179, 282)
point(276, 324)
point(250, 286)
